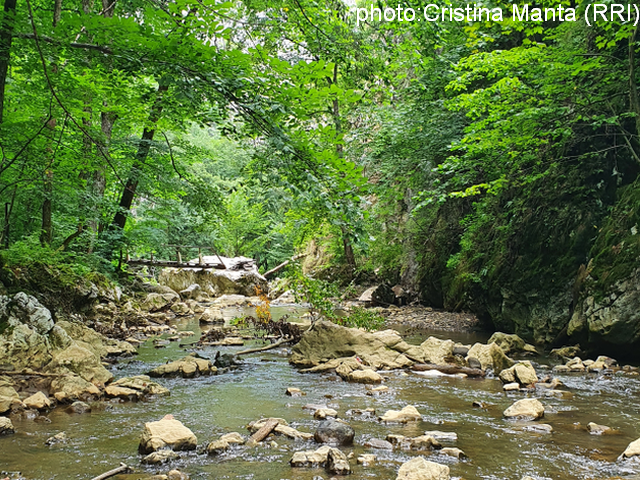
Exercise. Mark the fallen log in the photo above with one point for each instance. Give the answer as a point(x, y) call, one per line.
point(264, 431)
point(264, 349)
point(449, 369)
point(284, 264)
point(121, 469)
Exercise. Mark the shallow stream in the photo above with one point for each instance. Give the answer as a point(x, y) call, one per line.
point(211, 406)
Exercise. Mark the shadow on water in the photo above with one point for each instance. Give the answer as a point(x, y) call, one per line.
point(211, 406)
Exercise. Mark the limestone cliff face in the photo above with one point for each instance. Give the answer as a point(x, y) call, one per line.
point(611, 320)
point(556, 264)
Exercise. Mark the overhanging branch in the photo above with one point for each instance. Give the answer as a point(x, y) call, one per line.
point(53, 41)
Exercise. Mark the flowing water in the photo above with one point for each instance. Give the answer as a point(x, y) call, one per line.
point(211, 406)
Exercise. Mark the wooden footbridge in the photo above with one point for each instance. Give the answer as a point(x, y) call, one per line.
point(179, 263)
point(240, 263)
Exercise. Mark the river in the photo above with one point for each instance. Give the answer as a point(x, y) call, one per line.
point(211, 406)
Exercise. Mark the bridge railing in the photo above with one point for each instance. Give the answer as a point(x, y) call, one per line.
point(178, 262)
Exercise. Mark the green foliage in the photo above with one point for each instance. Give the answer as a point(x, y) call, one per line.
point(319, 294)
point(360, 317)
point(30, 252)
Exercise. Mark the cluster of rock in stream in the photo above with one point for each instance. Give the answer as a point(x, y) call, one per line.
point(49, 363)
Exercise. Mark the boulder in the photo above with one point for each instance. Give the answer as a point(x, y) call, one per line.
point(378, 295)
point(192, 292)
point(323, 413)
point(433, 350)
point(522, 372)
point(7, 388)
point(73, 387)
point(544, 428)
point(337, 462)
point(595, 429)
point(421, 469)
point(181, 309)
point(366, 459)
point(446, 437)
point(489, 356)
point(211, 315)
point(166, 433)
point(511, 343)
point(336, 432)
point(6, 427)
point(423, 442)
point(37, 401)
point(217, 447)
point(79, 407)
point(233, 300)
point(177, 475)
point(233, 438)
point(67, 348)
point(187, 367)
point(525, 409)
point(155, 302)
point(407, 414)
point(566, 353)
point(378, 444)
point(160, 457)
point(317, 458)
point(453, 452)
point(60, 437)
point(142, 384)
point(81, 361)
point(93, 341)
point(326, 341)
point(365, 375)
point(8, 396)
point(378, 390)
point(294, 392)
point(26, 309)
point(632, 450)
point(240, 277)
point(124, 393)
point(282, 428)
point(352, 370)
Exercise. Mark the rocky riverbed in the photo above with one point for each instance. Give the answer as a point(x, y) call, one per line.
point(382, 416)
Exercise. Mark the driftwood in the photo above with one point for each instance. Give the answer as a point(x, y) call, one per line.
point(284, 264)
point(449, 369)
point(264, 349)
point(121, 469)
point(264, 431)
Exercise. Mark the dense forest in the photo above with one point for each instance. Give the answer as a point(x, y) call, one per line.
point(486, 166)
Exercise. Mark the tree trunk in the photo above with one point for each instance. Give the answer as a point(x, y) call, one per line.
point(47, 227)
point(57, 12)
point(6, 37)
point(129, 192)
point(634, 98)
point(346, 241)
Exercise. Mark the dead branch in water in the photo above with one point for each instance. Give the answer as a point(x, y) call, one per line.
point(264, 349)
point(121, 469)
point(264, 431)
